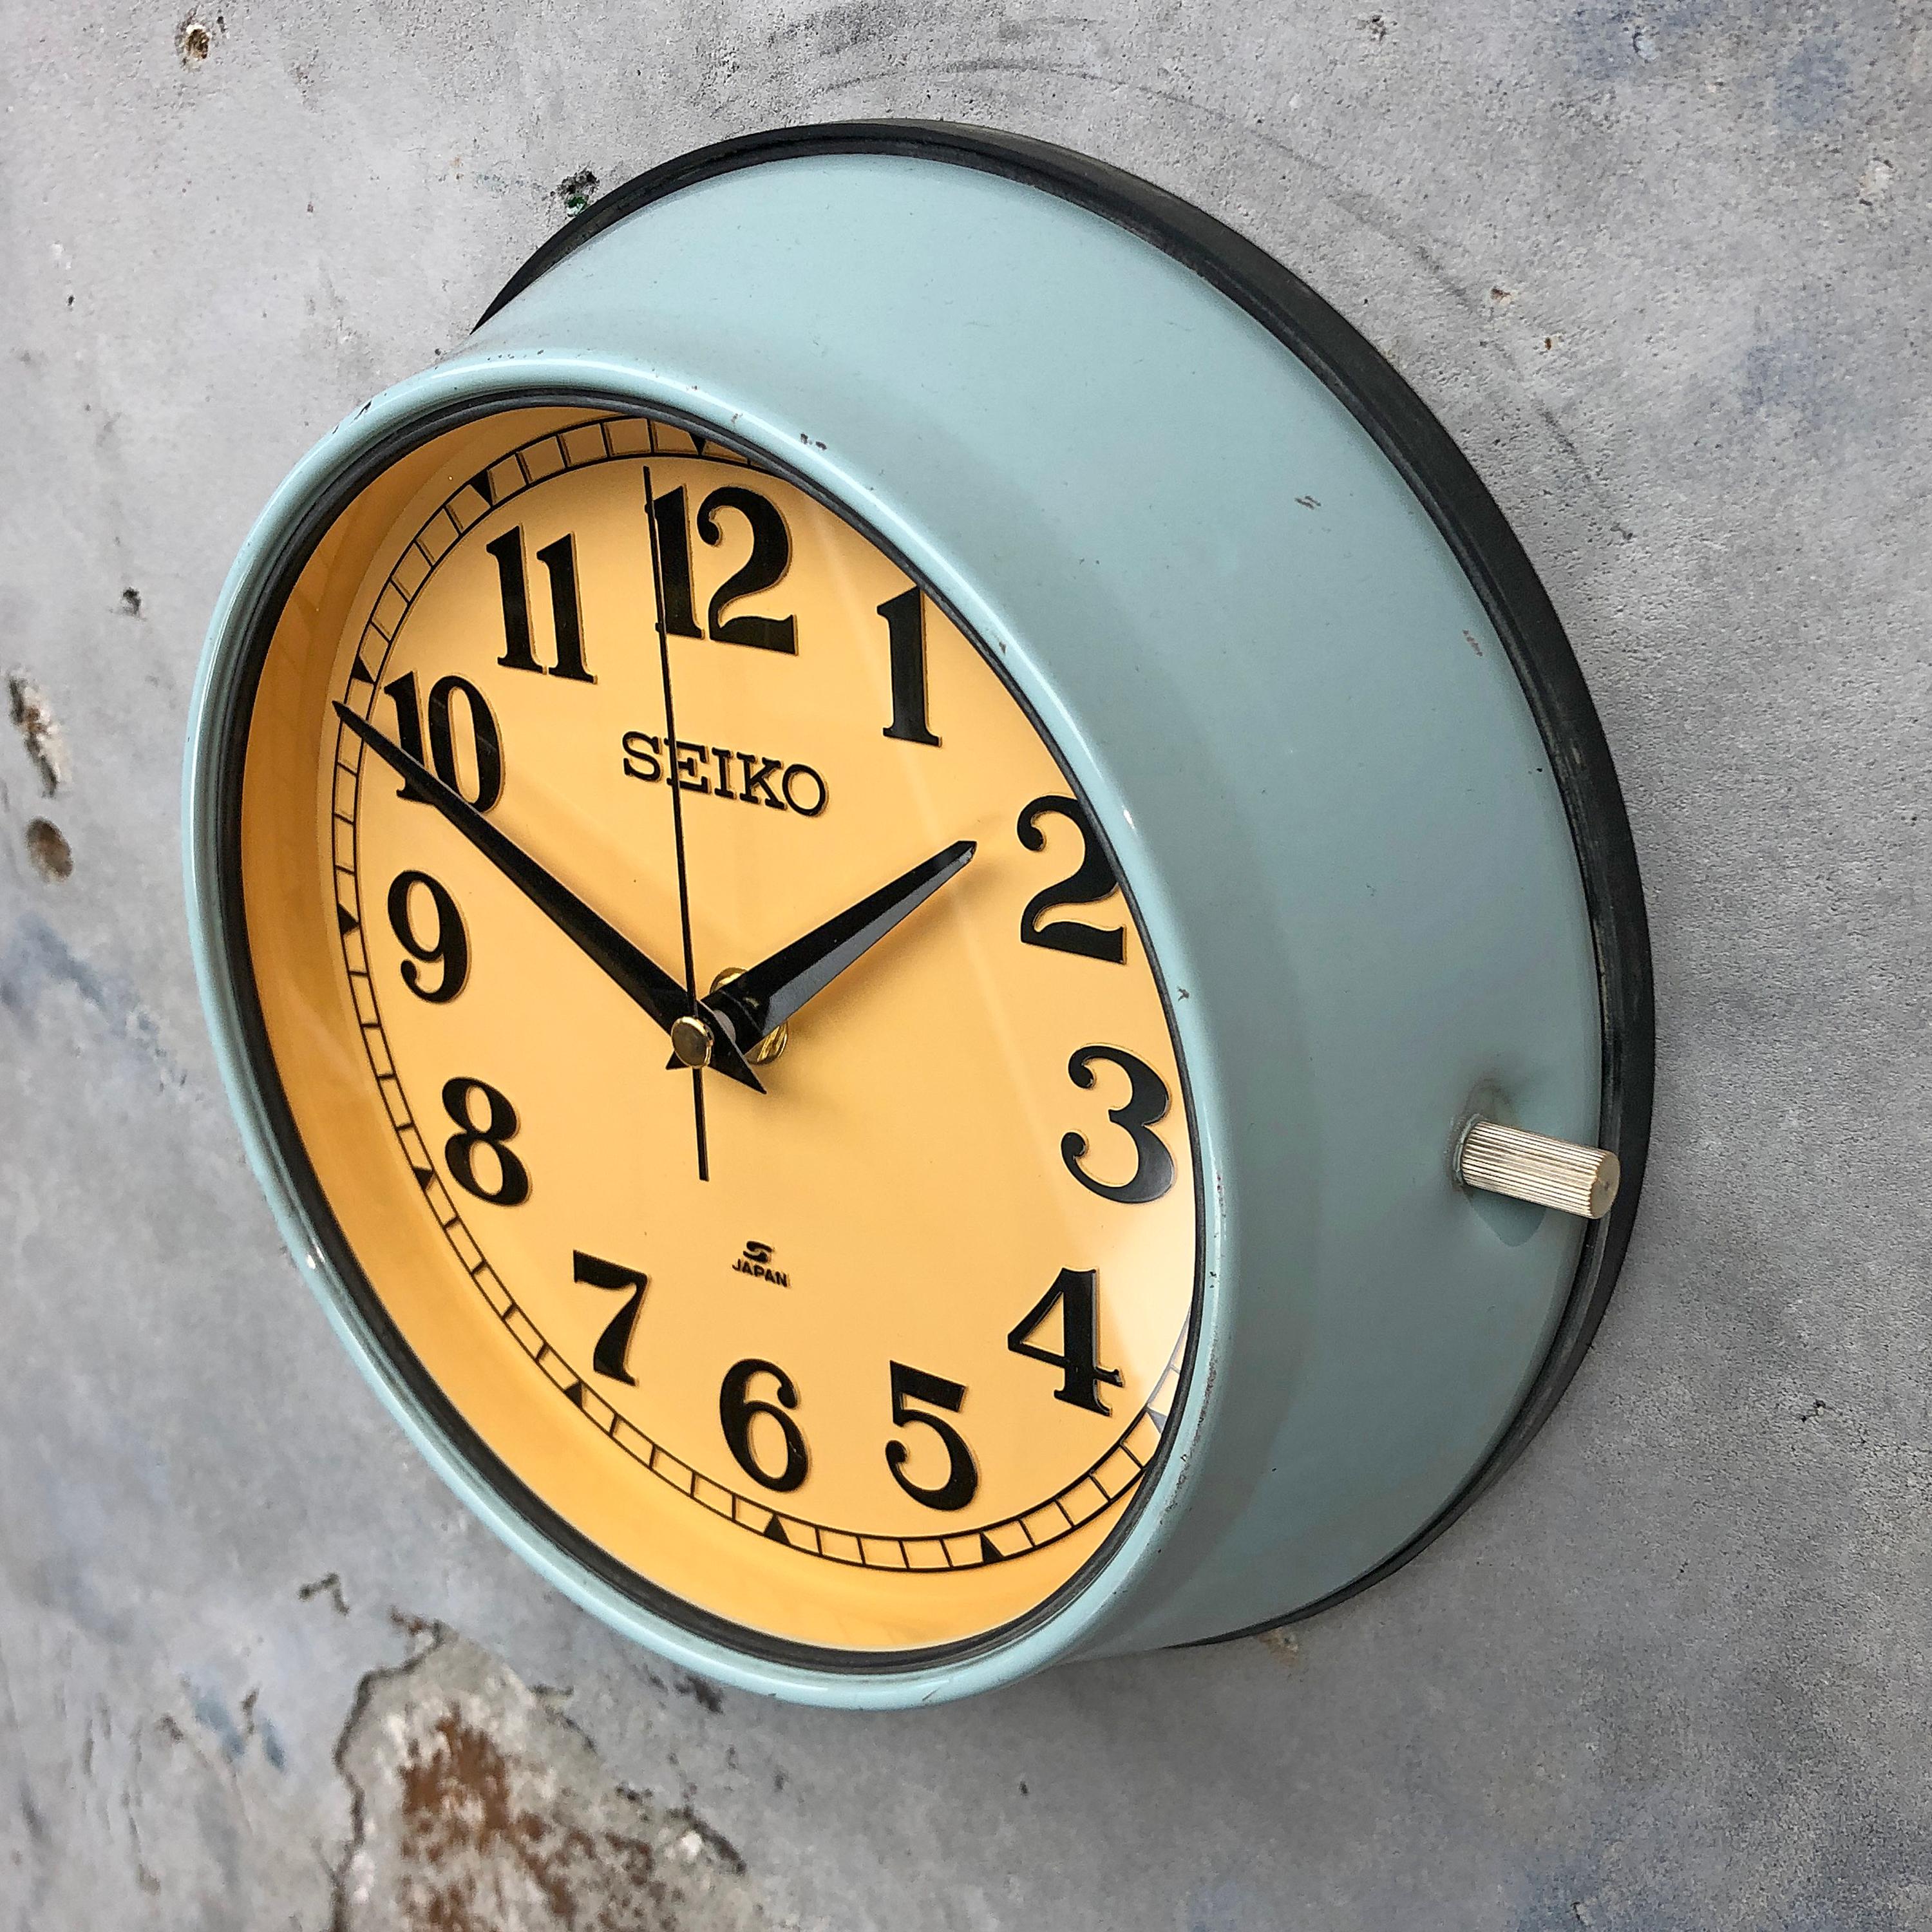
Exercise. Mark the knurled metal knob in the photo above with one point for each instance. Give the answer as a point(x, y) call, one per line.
point(1535, 1167)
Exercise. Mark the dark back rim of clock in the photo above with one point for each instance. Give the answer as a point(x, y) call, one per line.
point(1443, 480)
point(251, 632)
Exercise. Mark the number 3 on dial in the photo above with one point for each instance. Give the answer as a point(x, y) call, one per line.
point(1148, 1101)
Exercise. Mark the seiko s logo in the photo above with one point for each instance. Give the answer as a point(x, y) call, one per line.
point(756, 1260)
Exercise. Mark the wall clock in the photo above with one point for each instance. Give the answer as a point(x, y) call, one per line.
point(919, 924)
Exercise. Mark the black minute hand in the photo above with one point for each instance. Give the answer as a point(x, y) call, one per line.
point(760, 1001)
point(634, 971)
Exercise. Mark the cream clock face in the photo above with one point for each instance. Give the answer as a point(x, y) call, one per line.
point(716, 1031)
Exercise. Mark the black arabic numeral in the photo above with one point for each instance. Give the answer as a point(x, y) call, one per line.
point(513, 1178)
point(559, 560)
point(770, 558)
point(1078, 1359)
point(450, 948)
point(508, 550)
point(486, 748)
point(1148, 1101)
point(737, 1408)
point(674, 552)
point(1090, 882)
point(905, 643)
point(614, 1344)
point(401, 692)
point(962, 1474)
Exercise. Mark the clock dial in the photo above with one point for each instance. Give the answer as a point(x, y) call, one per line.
point(715, 1027)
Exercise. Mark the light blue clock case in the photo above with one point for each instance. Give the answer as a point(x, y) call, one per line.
point(1317, 703)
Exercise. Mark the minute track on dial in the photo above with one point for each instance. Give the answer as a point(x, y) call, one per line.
point(628, 965)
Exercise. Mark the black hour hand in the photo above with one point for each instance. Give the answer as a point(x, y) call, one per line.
point(761, 1000)
point(633, 971)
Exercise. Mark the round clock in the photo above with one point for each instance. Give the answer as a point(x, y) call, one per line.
point(919, 924)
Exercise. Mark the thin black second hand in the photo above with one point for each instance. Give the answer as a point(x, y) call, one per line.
point(676, 812)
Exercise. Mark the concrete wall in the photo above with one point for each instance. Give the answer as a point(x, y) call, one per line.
point(1664, 272)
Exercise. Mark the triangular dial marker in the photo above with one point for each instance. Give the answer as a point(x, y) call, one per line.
point(989, 1551)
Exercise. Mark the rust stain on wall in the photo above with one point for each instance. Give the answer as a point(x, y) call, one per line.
point(478, 1808)
point(33, 717)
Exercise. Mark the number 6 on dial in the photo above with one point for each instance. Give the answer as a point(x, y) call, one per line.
point(737, 1407)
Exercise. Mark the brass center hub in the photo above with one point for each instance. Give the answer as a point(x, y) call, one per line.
point(773, 1044)
point(691, 1040)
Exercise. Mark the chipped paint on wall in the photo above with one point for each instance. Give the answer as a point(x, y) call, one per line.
point(478, 1808)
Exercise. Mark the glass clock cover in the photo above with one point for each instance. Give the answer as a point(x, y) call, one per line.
point(743, 1089)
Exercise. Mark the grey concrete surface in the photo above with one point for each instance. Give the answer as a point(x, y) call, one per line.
point(1663, 271)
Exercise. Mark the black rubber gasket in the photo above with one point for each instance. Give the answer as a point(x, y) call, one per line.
point(1443, 482)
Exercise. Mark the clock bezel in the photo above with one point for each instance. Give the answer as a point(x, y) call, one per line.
point(355, 1307)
